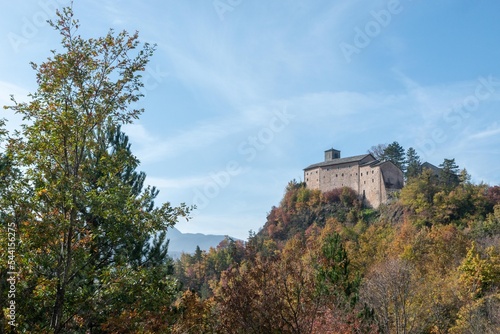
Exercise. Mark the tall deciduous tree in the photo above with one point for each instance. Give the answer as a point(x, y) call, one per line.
point(378, 151)
point(392, 290)
point(85, 216)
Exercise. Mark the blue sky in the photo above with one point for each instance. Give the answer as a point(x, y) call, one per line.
point(242, 95)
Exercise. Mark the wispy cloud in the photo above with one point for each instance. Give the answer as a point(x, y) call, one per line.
point(155, 147)
point(178, 183)
point(492, 130)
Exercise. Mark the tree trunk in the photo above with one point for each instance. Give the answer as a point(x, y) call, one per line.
point(57, 314)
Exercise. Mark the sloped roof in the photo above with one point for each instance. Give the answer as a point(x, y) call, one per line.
point(334, 162)
point(428, 165)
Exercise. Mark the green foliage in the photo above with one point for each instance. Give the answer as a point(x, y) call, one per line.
point(413, 164)
point(480, 316)
point(480, 272)
point(287, 294)
point(489, 227)
point(302, 207)
point(333, 273)
point(395, 153)
point(197, 272)
point(418, 196)
point(448, 176)
point(403, 268)
point(79, 207)
point(93, 256)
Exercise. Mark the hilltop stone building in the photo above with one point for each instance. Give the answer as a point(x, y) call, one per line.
point(374, 181)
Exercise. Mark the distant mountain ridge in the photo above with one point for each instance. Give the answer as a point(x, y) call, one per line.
point(187, 242)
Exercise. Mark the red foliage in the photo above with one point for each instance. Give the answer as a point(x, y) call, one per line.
point(335, 321)
point(493, 195)
point(333, 196)
point(276, 221)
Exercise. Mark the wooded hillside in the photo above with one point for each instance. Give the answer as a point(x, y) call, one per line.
point(429, 262)
point(85, 245)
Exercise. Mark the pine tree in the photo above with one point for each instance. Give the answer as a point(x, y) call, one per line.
point(80, 207)
point(395, 153)
point(448, 176)
point(413, 164)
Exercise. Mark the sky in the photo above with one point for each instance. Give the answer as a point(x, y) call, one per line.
point(241, 95)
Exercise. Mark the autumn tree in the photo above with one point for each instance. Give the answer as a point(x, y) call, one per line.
point(479, 291)
point(418, 196)
point(247, 299)
point(9, 206)
point(270, 295)
point(196, 315)
point(392, 289)
point(85, 217)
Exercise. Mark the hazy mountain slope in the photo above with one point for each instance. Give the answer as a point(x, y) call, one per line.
point(187, 242)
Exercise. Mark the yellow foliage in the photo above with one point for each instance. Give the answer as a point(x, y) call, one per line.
point(480, 272)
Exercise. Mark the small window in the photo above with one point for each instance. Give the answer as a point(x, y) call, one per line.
point(342, 174)
point(361, 174)
point(373, 180)
point(364, 183)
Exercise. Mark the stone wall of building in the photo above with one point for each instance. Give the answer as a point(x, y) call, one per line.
point(366, 181)
point(345, 175)
point(311, 178)
point(371, 185)
point(393, 176)
point(371, 179)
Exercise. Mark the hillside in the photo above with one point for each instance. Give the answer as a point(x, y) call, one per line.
point(187, 242)
point(427, 262)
